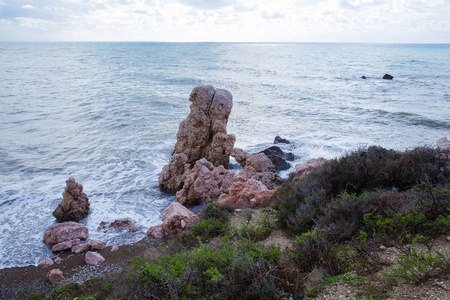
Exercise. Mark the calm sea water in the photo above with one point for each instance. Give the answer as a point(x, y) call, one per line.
point(107, 114)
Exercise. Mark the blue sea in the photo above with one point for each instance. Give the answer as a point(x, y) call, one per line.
point(107, 114)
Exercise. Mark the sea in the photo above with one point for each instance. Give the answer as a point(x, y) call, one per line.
point(107, 114)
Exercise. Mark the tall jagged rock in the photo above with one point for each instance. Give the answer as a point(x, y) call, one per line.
point(75, 203)
point(203, 134)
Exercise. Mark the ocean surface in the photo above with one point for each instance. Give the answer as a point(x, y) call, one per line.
point(107, 114)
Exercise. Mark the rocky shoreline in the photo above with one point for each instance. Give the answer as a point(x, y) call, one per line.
point(197, 173)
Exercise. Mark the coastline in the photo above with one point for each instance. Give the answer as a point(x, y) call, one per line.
point(75, 269)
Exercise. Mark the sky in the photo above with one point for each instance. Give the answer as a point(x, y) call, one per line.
point(366, 21)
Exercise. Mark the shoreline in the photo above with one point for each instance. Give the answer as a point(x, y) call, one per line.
point(31, 277)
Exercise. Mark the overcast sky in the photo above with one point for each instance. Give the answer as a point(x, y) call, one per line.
point(402, 21)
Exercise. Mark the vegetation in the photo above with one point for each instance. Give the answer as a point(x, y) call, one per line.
point(338, 217)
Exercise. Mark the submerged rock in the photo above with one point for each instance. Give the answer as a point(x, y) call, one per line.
point(118, 225)
point(75, 203)
point(280, 140)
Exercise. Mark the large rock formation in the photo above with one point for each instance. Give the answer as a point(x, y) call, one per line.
point(202, 134)
point(204, 183)
point(75, 203)
point(66, 231)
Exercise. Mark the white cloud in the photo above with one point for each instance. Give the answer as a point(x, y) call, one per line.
point(227, 20)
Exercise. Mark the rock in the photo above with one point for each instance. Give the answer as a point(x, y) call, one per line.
point(280, 140)
point(173, 175)
point(114, 249)
point(58, 260)
point(81, 248)
point(118, 225)
point(96, 244)
point(93, 258)
point(66, 231)
point(176, 218)
point(45, 263)
point(246, 193)
point(302, 170)
point(278, 157)
point(203, 133)
point(156, 231)
point(55, 275)
point(363, 77)
point(443, 144)
point(65, 245)
point(240, 156)
point(388, 77)
point(269, 179)
point(204, 183)
point(382, 248)
point(74, 205)
point(260, 162)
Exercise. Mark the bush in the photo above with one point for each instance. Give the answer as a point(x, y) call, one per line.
point(220, 270)
point(301, 201)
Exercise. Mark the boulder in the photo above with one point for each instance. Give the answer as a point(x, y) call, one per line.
point(114, 249)
point(204, 182)
point(269, 179)
point(173, 175)
point(118, 225)
point(81, 248)
point(279, 157)
point(246, 193)
point(260, 162)
point(156, 231)
point(58, 260)
point(203, 133)
point(176, 218)
point(93, 258)
point(55, 275)
point(443, 144)
point(240, 156)
point(280, 140)
point(66, 231)
point(66, 245)
point(388, 77)
point(75, 203)
point(45, 263)
point(301, 170)
point(96, 244)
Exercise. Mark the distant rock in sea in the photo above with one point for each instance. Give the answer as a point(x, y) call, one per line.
point(388, 77)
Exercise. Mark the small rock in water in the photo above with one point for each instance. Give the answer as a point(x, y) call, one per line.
point(97, 244)
point(93, 258)
point(75, 204)
point(280, 140)
point(55, 275)
point(363, 77)
point(45, 263)
point(118, 225)
point(388, 77)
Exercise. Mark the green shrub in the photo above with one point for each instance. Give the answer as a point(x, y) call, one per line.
point(219, 270)
point(31, 295)
point(300, 201)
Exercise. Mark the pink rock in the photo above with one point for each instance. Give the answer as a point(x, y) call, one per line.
point(93, 258)
point(173, 175)
point(66, 231)
point(204, 183)
point(260, 162)
point(114, 249)
point(156, 231)
point(97, 244)
point(120, 224)
point(81, 248)
point(45, 263)
point(240, 156)
point(176, 218)
point(302, 170)
point(75, 204)
point(58, 260)
point(443, 144)
point(65, 245)
point(203, 133)
point(55, 275)
point(270, 179)
point(247, 193)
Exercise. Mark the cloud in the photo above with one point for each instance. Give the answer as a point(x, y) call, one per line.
point(273, 15)
point(27, 11)
point(207, 4)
